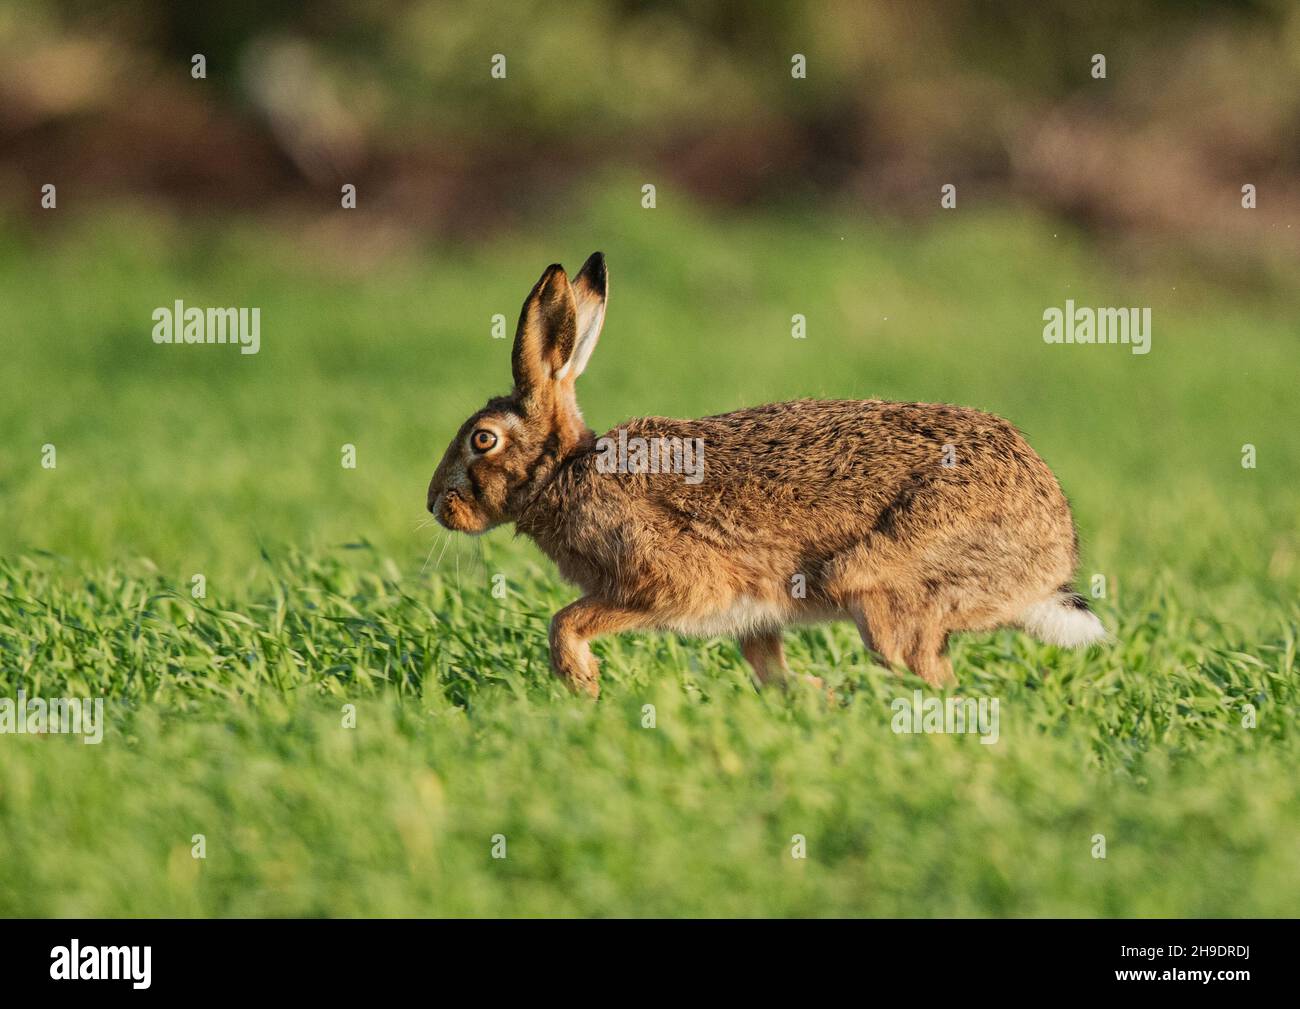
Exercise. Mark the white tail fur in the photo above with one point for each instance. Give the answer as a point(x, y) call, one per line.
point(1063, 619)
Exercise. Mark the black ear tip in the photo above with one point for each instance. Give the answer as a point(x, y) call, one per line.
point(594, 268)
point(547, 282)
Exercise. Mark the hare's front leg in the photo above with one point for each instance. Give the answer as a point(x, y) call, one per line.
point(763, 651)
point(573, 627)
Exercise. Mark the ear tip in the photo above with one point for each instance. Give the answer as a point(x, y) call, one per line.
point(552, 282)
point(594, 268)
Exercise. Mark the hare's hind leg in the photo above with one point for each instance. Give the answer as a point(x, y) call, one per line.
point(928, 655)
point(905, 632)
point(896, 616)
point(573, 627)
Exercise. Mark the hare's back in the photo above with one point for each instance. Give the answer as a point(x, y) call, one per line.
point(827, 473)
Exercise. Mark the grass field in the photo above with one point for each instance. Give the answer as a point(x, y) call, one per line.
point(323, 588)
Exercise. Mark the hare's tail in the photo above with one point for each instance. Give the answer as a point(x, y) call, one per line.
point(1063, 618)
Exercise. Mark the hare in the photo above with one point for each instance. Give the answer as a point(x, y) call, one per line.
point(914, 520)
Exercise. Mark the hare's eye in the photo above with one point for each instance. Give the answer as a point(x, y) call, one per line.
point(483, 440)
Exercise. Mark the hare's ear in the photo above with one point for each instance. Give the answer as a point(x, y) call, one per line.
point(546, 335)
point(590, 291)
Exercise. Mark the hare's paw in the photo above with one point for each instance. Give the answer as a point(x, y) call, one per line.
point(571, 657)
point(578, 668)
point(574, 626)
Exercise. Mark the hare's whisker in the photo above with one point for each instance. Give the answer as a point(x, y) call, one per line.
point(432, 548)
point(446, 541)
point(445, 538)
point(480, 557)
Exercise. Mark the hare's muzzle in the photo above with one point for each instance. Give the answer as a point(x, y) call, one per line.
point(453, 511)
point(444, 514)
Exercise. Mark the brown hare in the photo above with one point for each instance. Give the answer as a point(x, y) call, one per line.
point(914, 520)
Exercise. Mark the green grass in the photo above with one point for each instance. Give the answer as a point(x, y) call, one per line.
point(225, 713)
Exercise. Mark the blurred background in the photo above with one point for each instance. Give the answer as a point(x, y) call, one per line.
point(899, 98)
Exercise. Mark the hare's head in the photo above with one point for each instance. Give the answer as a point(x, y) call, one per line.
point(507, 451)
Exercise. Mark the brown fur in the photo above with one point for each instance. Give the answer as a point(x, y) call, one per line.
point(853, 496)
